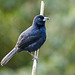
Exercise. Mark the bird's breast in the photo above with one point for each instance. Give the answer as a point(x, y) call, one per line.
point(43, 32)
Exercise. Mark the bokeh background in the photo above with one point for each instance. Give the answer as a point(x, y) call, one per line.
point(57, 55)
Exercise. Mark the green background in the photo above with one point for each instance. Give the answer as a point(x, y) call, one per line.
point(57, 55)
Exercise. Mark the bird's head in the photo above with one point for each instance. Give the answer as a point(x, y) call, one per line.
point(40, 20)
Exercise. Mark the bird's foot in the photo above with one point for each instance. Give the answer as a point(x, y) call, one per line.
point(35, 58)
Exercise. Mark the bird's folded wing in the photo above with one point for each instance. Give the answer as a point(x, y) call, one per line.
point(24, 42)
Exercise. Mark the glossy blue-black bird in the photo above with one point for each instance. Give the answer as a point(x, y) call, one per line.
point(31, 39)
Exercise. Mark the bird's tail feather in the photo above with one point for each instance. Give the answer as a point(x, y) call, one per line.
point(8, 57)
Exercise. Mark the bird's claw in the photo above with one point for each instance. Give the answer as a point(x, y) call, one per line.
point(35, 58)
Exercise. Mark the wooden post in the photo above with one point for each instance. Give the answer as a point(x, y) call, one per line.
point(37, 52)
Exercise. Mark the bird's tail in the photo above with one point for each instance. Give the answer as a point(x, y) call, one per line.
point(8, 57)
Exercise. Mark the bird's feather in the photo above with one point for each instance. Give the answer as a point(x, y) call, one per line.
point(8, 57)
point(27, 40)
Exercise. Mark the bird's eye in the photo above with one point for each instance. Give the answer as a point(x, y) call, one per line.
point(39, 19)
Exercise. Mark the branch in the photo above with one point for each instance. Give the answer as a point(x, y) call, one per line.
point(42, 8)
point(37, 52)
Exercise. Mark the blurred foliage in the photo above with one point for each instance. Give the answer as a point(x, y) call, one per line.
point(57, 55)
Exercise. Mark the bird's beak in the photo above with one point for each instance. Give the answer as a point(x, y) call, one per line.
point(46, 18)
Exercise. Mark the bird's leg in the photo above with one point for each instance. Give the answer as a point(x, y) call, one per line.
point(34, 56)
point(31, 54)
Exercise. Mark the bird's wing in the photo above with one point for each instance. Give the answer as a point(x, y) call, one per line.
point(26, 41)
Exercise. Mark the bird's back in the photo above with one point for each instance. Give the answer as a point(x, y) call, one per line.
point(32, 38)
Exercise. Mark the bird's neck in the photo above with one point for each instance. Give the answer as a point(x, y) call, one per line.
point(38, 25)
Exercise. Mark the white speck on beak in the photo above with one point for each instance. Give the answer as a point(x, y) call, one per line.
point(46, 18)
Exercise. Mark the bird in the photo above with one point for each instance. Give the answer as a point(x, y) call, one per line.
point(30, 40)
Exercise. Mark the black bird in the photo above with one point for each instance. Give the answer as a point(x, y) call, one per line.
point(30, 40)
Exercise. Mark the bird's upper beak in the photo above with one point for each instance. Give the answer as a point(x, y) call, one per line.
point(46, 18)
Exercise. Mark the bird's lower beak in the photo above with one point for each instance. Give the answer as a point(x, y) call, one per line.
point(46, 18)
